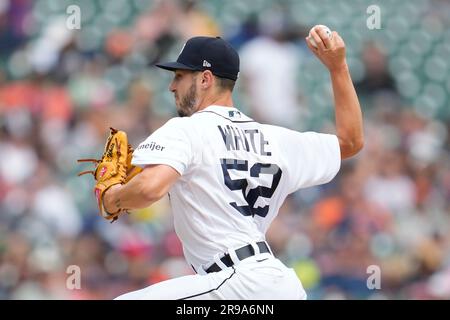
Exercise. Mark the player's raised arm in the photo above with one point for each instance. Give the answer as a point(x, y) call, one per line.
point(349, 127)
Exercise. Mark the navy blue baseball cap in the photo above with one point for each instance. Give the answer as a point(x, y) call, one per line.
point(207, 53)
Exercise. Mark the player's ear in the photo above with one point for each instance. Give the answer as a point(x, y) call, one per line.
point(207, 79)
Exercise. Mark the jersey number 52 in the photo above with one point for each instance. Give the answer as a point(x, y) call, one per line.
point(242, 184)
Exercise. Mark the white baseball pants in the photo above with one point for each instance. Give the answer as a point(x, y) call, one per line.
point(260, 277)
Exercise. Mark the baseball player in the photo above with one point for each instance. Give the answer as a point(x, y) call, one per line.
point(227, 175)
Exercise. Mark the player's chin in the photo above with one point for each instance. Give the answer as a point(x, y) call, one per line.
point(181, 112)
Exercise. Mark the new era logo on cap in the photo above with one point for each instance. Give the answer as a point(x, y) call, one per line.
point(212, 53)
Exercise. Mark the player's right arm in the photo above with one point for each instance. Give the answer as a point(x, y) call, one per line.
point(349, 126)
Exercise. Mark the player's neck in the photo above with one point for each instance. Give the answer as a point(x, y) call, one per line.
point(225, 100)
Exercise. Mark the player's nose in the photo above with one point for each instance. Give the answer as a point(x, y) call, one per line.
point(172, 87)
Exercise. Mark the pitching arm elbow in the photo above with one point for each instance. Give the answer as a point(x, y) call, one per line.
point(350, 147)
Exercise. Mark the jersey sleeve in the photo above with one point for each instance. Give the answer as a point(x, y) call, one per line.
point(312, 158)
point(169, 145)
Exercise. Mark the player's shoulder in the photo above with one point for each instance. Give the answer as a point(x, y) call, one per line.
point(277, 130)
point(283, 134)
point(181, 123)
point(181, 127)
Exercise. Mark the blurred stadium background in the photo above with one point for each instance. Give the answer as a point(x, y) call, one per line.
point(61, 89)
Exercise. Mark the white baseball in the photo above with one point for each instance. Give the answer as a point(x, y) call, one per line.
point(327, 30)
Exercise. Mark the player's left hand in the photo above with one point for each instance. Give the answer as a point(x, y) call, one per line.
point(114, 168)
point(330, 51)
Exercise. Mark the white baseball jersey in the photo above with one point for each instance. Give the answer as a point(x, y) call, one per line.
point(235, 175)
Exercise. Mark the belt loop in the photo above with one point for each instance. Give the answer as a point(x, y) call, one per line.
point(255, 248)
point(233, 256)
point(201, 271)
point(268, 247)
point(219, 262)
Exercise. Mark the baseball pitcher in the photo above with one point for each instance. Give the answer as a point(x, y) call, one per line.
point(227, 175)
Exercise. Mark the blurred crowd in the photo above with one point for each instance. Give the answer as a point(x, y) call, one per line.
point(61, 89)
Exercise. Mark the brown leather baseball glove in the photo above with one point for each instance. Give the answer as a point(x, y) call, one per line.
point(113, 168)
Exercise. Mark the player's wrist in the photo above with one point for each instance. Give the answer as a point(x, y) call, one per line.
point(110, 203)
point(340, 67)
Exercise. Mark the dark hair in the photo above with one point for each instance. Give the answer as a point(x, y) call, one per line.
point(225, 84)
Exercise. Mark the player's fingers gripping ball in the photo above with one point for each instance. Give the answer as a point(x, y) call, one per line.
point(316, 28)
point(112, 168)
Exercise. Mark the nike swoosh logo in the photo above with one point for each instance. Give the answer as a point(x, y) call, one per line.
point(262, 260)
